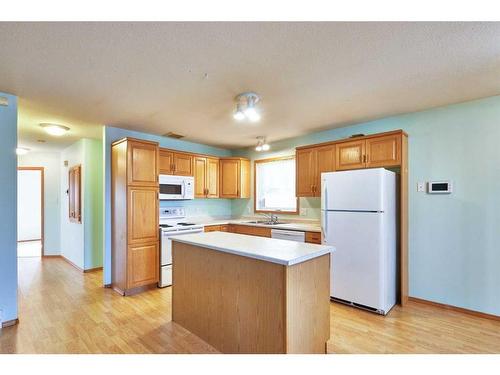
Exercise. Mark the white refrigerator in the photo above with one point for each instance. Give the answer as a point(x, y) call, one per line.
point(358, 217)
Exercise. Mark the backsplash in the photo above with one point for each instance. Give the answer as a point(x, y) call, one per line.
point(215, 208)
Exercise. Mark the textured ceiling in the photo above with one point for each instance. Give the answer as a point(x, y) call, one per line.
point(182, 77)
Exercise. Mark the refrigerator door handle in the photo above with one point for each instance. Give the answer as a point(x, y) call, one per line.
point(324, 190)
point(324, 226)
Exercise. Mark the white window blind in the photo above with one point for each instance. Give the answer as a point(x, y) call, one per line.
point(275, 185)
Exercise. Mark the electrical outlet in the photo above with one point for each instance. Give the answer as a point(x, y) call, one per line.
point(303, 212)
point(421, 186)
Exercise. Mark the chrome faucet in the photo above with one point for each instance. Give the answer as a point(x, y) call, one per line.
point(273, 219)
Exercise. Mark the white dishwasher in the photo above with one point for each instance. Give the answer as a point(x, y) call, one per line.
point(291, 235)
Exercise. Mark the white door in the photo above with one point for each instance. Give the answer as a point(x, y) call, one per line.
point(29, 204)
point(356, 265)
point(358, 190)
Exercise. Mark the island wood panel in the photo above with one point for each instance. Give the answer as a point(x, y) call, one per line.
point(234, 303)
point(308, 295)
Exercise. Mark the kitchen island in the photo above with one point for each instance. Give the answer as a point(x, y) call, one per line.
point(246, 294)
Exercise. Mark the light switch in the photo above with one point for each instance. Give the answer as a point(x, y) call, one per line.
point(421, 186)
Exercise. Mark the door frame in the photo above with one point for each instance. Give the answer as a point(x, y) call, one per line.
point(42, 200)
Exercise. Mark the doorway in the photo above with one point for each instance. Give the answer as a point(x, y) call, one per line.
point(30, 209)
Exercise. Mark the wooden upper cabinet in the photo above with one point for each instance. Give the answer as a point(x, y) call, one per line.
point(142, 214)
point(212, 178)
point(376, 150)
point(383, 151)
point(325, 162)
point(206, 177)
point(310, 163)
point(176, 163)
point(200, 177)
point(142, 163)
point(166, 162)
point(75, 194)
point(183, 164)
point(305, 160)
point(234, 178)
point(350, 155)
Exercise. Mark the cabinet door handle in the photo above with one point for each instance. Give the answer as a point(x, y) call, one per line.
point(312, 188)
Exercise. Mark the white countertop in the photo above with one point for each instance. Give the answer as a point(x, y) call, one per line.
point(272, 250)
point(306, 227)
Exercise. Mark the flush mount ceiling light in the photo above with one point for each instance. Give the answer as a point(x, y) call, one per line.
point(246, 107)
point(54, 129)
point(262, 145)
point(22, 150)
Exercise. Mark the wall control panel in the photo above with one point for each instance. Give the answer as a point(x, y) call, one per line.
point(439, 187)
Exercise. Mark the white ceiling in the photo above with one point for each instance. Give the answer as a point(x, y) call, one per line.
point(182, 77)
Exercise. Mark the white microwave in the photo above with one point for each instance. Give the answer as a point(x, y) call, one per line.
point(176, 187)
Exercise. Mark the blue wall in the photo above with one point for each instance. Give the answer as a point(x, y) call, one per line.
point(8, 208)
point(454, 240)
point(221, 207)
point(93, 203)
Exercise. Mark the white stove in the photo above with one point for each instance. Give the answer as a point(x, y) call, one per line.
point(173, 222)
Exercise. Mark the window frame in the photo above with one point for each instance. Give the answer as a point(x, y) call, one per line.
point(269, 160)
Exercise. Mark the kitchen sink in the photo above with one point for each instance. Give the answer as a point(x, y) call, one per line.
point(264, 222)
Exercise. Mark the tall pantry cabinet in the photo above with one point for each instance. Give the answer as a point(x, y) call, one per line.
point(134, 210)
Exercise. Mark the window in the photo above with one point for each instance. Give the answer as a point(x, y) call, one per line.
point(275, 185)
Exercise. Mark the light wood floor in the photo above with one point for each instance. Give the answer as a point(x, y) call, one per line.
point(65, 311)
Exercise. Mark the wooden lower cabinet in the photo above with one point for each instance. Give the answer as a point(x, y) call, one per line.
point(313, 237)
point(250, 230)
point(142, 264)
point(212, 228)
